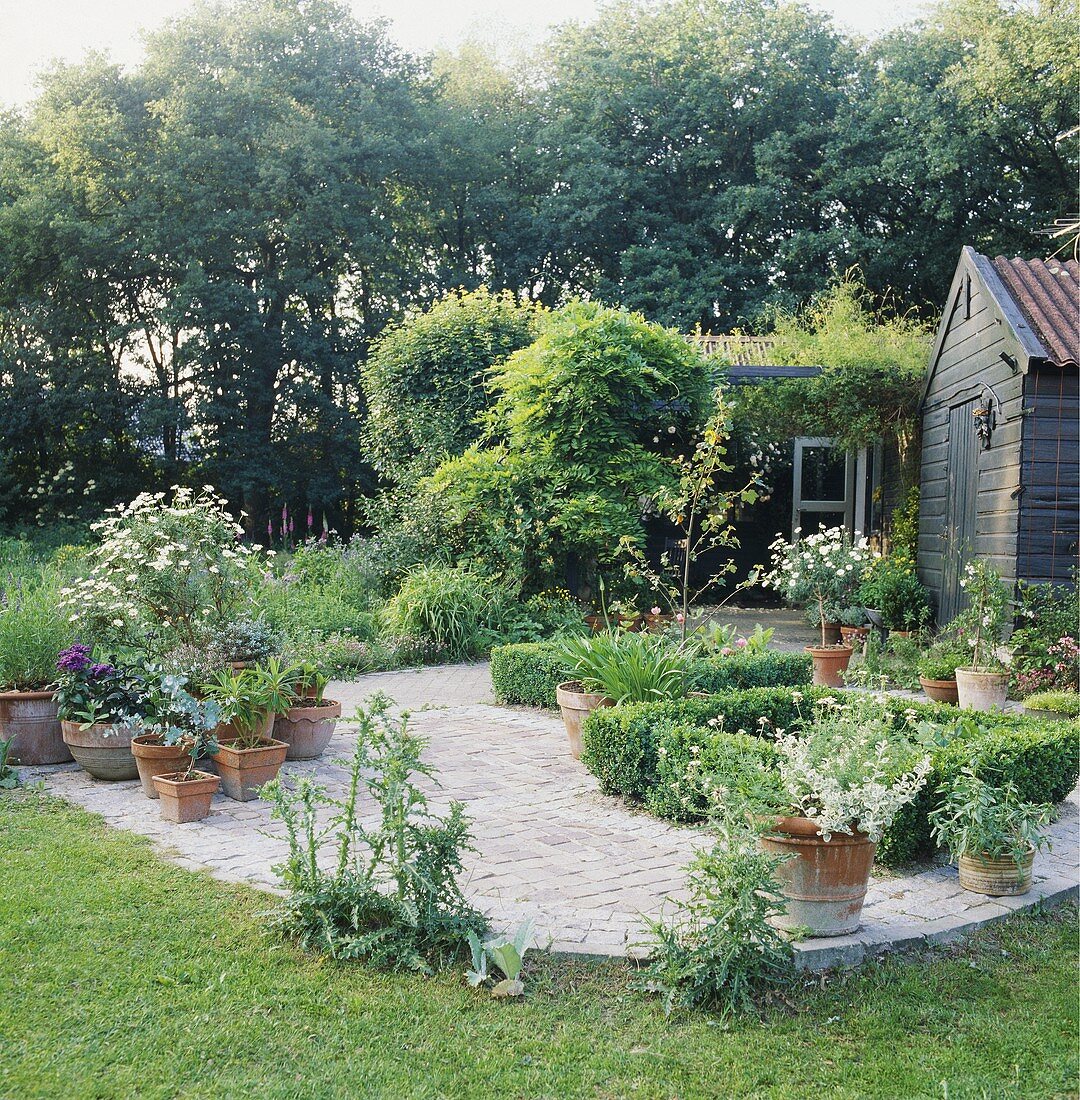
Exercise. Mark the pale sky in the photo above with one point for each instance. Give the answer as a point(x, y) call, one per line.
point(34, 32)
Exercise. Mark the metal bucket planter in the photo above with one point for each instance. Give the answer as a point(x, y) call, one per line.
point(998, 878)
point(576, 705)
point(154, 758)
point(28, 720)
point(830, 662)
point(982, 690)
point(307, 730)
point(184, 800)
point(103, 749)
point(941, 691)
point(825, 883)
point(244, 771)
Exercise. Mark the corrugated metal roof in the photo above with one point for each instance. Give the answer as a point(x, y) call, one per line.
point(1048, 294)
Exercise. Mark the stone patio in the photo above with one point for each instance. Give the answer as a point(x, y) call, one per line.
point(549, 846)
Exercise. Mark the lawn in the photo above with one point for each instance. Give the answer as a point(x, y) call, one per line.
point(121, 976)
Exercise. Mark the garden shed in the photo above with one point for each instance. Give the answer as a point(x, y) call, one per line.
point(999, 476)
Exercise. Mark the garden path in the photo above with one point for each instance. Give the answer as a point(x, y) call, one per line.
point(549, 846)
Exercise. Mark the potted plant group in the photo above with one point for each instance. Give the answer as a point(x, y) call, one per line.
point(937, 672)
point(990, 834)
point(186, 793)
point(99, 705)
point(32, 635)
point(841, 783)
point(247, 755)
point(309, 719)
point(821, 571)
point(984, 684)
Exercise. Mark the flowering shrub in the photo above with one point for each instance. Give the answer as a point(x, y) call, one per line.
point(1047, 656)
point(851, 770)
point(88, 692)
point(164, 573)
point(821, 571)
point(985, 619)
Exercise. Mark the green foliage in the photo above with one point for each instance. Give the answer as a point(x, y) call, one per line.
point(770, 668)
point(628, 668)
point(719, 950)
point(447, 607)
point(894, 664)
point(526, 673)
point(33, 630)
point(892, 587)
point(940, 662)
point(391, 896)
point(1046, 654)
point(507, 955)
point(1065, 703)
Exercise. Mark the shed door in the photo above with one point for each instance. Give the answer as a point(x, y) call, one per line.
point(960, 508)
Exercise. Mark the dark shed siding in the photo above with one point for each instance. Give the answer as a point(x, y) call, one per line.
point(1050, 500)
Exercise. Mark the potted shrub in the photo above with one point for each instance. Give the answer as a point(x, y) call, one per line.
point(984, 684)
point(937, 673)
point(854, 625)
point(99, 705)
point(244, 643)
point(1053, 705)
point(840, 785)
point(247, 756)
point(309, 720)
point(32, 635)
point(186, 793)
point(990, 834)
point(614, 668)
point(821, 571)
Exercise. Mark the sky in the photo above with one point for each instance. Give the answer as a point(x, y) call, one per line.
point(35, 32)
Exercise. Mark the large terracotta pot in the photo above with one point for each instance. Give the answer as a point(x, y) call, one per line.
point(996, 877)
point(981, 690)
point(825, 883)
point(307, 730)
point(941, 691)
point(576, 705)
point(103, 749)
point(184, 800)
point(244, 771)
point(829, 663)
point(153, 758)
point(28, 720)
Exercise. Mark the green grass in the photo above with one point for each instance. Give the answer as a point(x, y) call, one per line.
point(123, 976)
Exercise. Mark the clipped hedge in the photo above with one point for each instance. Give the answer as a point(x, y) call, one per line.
point(526, 673)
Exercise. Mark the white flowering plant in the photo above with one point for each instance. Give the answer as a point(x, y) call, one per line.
point(166, 573)
point(986, 617)
point(821, 571)
point(852, 769)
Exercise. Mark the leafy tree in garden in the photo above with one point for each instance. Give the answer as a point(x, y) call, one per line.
point(582, 434)
point(425, 379)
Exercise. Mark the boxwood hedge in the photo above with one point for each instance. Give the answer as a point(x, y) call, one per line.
point(526, 673)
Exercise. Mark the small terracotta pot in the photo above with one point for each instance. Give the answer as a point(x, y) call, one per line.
point(28, 720)
point(981, 690)
point(244, 771)
point(996, 877)
point(307, 730)
point(153, 758)
point(941, 691)
point(596, 622)
point(854, 636)
point(829, 663)
point(103, 749)
point(900, 633)
point(657, 624)
point(825, 883)
point(576, 705)
point(184, 800)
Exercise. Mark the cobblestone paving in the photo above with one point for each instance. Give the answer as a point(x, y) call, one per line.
point(549, 846)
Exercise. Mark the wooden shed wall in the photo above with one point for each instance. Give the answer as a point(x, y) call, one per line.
point(1049, 527)
point(969, 361)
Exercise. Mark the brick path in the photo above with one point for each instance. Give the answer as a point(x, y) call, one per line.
point(549, 845)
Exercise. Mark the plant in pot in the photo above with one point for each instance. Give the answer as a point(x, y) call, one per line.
point(245, 643)
point(984, 684)
point(99, 705)
point(892, 588)
point(186, 793)
point(990, 834)
point(854, 625)
point(247, 756)
point(840, 784)
point(308, 721)
point(821, 571)
point(937, 672)
point(32, 635)
point(1056, 706)
point(614, 667)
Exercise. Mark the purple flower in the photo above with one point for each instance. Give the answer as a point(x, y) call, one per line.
point(74, 659)
point(97, 672)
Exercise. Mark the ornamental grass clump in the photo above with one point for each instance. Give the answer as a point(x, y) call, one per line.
point(32, 632)
point(628, 668)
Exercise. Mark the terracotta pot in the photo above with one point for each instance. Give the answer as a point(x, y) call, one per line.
point(153, 758)
point(901, 633)
point(596, 622)
point(981, 690)
point(996, 877)
point(28, 720)
point(632, 624)
point(307, 730)
point(941, 691)
point(829, 663)
point(657, 624)
point(244, 771)
point(854, 635)
point(184, 800)
point(825, 883)
point(576, 705)
point(103, 749)
point(832, 633)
